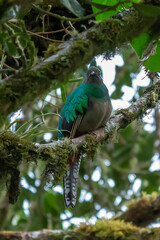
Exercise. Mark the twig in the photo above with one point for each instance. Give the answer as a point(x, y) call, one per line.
point(32, 33)
point(43, 21)
point(80, 18)
point(49, 39)
point(5, 71)
point(9, 67)
point(52, 32)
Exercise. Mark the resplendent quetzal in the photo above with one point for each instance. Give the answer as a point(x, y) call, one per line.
point(86, 109)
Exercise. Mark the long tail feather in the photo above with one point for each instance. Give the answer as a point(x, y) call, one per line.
point(70, 184)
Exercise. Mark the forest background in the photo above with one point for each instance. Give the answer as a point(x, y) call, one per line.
point(46, 48)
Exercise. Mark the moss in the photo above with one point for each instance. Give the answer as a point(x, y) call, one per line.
point(110, 229)
point(13, 151)
point(152, 99)
point(147, 205)
point(64, 64)
point(90, 146)
point(57, 161)
point(144, 202)
point(51, 50)
point(150, 234)
point(108, 31)
point(80, 47)
point(128, 116)
point(145, 197)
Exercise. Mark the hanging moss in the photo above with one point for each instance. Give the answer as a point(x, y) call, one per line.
point(90, 146)
point(58, 160)
point(14, 151)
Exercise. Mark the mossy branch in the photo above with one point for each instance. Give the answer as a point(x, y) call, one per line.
point(123, 117)
point(103, 229)
point(142, 211)
point(15, 150)
point(26, 85)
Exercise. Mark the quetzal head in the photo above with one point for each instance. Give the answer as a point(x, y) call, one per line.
point(93, 76)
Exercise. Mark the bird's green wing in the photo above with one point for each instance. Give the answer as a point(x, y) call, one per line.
point(75, 103)
point(73, 111)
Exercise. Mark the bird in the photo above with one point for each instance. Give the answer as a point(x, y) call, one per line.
point(86, 109)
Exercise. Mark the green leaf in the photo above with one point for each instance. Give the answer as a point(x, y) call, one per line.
point(15, 121)
point(147, 10)
point(74, 7)
point(39, 132)
point(136, 1)
point(106, 14)
point(107, 3)
point(101, 5)
point(140, 43)
point(22, 128)
point(12, 50)
point(153, 62)
point(32, 131)
point(25, 7)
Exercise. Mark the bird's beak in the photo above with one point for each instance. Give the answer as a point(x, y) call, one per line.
point(92, 73)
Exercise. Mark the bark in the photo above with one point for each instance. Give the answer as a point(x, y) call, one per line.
point(25, 86)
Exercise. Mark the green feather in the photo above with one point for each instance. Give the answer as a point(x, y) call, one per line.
point(74, 113)
point(79, 108)
point(71, 116)
point(67, 117)
point(84, 103)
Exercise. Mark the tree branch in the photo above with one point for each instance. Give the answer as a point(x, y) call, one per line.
point(27, 85)
point(15, 150)
point(80, 19)
point(138, 210)
point(123, 117)
point(103, 229)
point(116, 228)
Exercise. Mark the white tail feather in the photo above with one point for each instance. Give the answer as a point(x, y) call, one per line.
point(70, 184)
